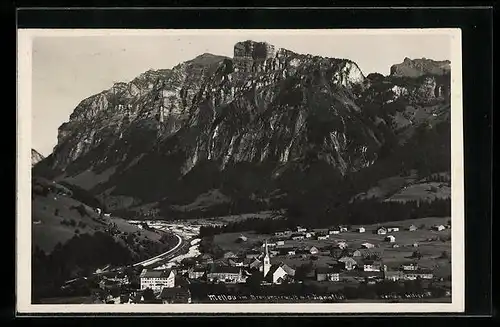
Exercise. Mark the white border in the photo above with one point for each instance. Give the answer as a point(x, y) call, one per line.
point(23, 195)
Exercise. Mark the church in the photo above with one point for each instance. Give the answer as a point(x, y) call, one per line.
point(275, 273)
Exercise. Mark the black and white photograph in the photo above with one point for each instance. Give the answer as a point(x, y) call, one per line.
point(240, 171)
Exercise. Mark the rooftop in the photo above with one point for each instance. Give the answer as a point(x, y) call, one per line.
point(155, 273)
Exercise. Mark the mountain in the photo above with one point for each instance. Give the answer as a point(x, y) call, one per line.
point(35, 157)
point(241, 134)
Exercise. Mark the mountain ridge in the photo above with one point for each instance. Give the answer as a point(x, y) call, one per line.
point(267, 110)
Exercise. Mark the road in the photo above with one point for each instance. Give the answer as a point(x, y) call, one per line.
point(161, 256)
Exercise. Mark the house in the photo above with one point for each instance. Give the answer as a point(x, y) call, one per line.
point(415, 245)
point(277, 274)
point(207, 258)
point(439, 228)
point(308, 234)
point(370, 265)
point(280, 242)
point(253, 254)
point(381, 231)
point(409, 266)
point(356, 253)
point(334, 231)
point(342, 245)
point(418, 274)
point(327, 274)
point(392, 229)
point(291, 252)
point(360, 229)
point(236, 262)
point(301, 229)
point(367, 245)
point(298, 237)
point(157, 280)
point(349, 263)
point(395, 246)
point(230, 275)
point(107, 215)
point(313, 250)
point(175, 295)
point(322, 237)
point(390, 239)
point(254, 264)
point(412, 228)
point(196, 273)
point(280, 233)
point(270, 244)
point(343, 229)
point(393, 275)
point(229, 254)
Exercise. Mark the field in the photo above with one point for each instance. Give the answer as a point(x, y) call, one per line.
point(52, 216)
point(431, 245)
point(408, 188)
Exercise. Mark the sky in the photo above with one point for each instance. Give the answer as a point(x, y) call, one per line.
point(68, 69)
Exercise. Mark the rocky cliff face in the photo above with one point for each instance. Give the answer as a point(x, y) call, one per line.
point(36, 157)
point(264, 106)
point(420, 67)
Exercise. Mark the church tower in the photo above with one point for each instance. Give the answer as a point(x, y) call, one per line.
point(267, 261)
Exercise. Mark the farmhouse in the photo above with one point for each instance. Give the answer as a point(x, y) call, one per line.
point(300, 229)
point(356, 253)
point(322, 237)
point(360, 229)
point(412, 228)
point(367, 245)
point(327, 274)
point(392, 229)
point(342, 245)
point(230, 275)
point(334, 231)
point(175, 295)
point(381, 231)
point(280, 242)
point(313, 250)
point(439, 228)
point(349, 263)
point(157, 279)
point(390, 239)
point(308, 234)
point(343, 229)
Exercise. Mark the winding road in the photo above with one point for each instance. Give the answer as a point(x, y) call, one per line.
point(152, 260)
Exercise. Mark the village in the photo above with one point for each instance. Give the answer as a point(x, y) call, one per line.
point(342, 263)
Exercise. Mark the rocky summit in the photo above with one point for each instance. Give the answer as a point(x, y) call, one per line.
point(172, 136)
point(36, 157)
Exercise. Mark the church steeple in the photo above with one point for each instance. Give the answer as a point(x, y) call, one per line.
point(267, 260)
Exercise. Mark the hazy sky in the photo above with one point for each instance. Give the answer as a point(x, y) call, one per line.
point(68, 69)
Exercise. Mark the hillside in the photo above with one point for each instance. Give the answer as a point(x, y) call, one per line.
point(218, 136)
